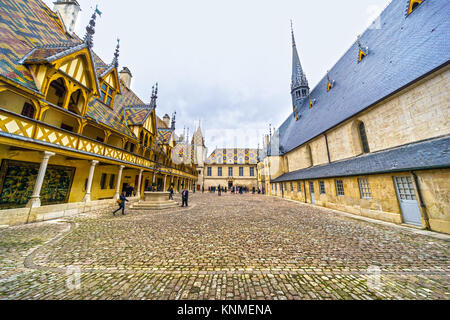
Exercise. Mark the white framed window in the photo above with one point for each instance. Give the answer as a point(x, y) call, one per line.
point(364, 188)
point(340, 188)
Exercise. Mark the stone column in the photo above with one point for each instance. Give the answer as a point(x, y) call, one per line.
point(165, 181)
point(87, 196)
point(138, 187)
point(35, 200)
point(119, 179)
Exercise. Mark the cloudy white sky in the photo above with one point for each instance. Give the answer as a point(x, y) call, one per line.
point(226, 63)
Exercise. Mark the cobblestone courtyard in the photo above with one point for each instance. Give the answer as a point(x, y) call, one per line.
point(233, 247)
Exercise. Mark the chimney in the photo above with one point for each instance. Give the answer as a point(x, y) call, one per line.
point(125, 75)
point(68, 11)
point(166, 120)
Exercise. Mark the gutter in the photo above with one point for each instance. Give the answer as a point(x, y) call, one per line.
point(422, 204)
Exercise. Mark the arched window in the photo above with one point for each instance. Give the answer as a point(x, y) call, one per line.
point(363, 136)
point(57, 92)
point(28, 110)
point(309, 158)
point(141, 138)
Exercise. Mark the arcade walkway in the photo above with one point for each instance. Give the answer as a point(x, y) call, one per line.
point(232, 247)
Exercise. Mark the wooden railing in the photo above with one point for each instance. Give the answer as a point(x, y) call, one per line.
point(18, 125)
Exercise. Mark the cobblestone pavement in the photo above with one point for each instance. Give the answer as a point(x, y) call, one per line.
point(232, 247)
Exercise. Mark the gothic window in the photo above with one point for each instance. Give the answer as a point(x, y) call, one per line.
point(28, 110)
point(363, 136)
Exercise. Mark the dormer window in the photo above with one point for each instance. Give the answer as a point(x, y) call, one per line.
point(107, 94)
point(362, 55)
point(413, 4)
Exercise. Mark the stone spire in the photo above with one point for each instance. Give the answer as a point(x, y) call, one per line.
point(298, 75)
point(90, 29)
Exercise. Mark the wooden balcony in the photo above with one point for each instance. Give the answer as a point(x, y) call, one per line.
point(15, 125)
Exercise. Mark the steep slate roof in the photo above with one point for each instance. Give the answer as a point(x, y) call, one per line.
point(432, 154)
point(233, 156)
point(401, 51)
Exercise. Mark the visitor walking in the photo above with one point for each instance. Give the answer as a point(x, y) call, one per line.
point(184, 197)
point(121, 203)
point(171, 193)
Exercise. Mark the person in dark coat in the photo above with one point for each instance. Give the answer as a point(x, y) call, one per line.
point(203, 189)
point(185, 197)
point(170, 193)
point(220, 191)
point(122, 199)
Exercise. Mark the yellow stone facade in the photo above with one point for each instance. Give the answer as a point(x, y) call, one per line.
point(416, 113)
point(53, 126)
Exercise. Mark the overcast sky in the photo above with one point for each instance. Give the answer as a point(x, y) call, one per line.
point(226, 63)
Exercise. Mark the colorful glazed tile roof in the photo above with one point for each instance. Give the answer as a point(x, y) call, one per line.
point(233, 156)
point(197, 138)
point(137, 115)
point(164, 136)
point(24, 25)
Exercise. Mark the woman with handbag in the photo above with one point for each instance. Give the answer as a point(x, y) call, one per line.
point(121, 203)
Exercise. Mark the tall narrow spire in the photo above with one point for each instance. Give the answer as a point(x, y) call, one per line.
point(298, 75)
point(115, 61)
point(90, 29)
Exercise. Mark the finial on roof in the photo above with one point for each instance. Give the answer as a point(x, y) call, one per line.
point(173, 120)
point(330, 82)
point(90, 29)
point(116, 54)
point(363, 51)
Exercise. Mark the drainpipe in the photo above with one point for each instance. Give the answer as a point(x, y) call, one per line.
point(422, 204)
point(328, 149)
point(304, 190)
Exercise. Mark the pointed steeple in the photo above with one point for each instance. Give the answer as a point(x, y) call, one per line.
point(90, 29)
point(115, 61)
point(298, 75)
point(154, 96)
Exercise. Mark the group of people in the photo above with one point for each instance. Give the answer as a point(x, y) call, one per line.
point(123, 199)
point(233, 190)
